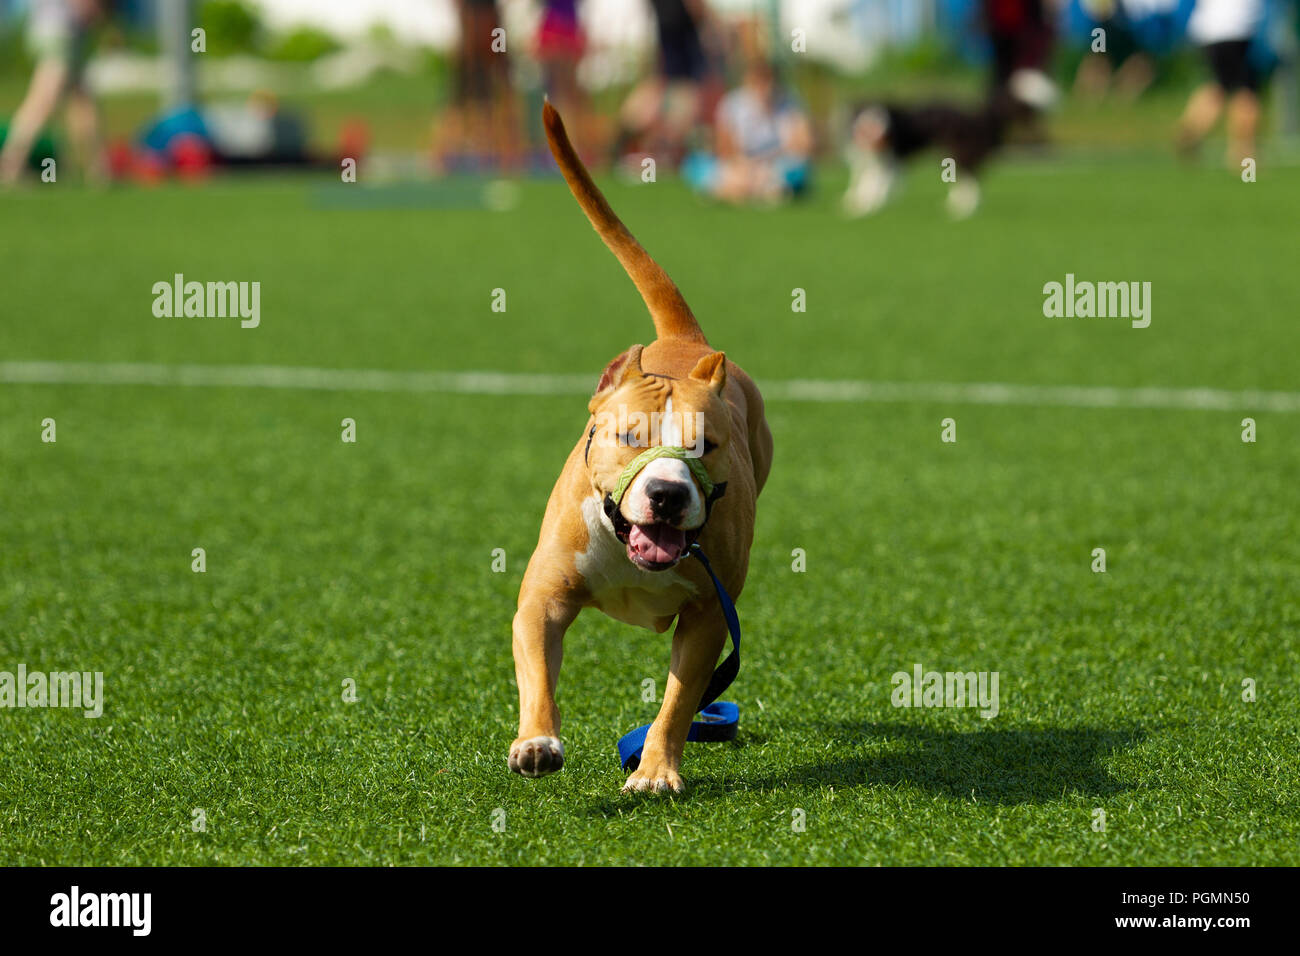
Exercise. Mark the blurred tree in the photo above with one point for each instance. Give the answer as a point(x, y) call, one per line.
point(302, 45)
point(231, 27)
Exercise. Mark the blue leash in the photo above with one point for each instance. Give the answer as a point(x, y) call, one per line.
point(720, 719)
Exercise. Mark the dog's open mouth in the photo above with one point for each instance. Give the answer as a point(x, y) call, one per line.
point(655, 547)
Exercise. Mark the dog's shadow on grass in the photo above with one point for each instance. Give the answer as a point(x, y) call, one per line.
point(991, 765)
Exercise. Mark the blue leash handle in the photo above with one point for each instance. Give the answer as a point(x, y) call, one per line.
point(720, 718)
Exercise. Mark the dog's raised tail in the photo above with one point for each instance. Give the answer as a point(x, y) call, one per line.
point(672, 316)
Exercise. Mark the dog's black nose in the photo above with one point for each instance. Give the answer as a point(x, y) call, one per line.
point(668, 498)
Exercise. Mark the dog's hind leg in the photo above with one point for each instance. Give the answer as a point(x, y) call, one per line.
point(870, 185)
point(964, 197)
point(698, 640)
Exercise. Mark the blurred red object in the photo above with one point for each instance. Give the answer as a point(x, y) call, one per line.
point(150, 167)
point(121, 159)
point(190, 156)
point(354, 139)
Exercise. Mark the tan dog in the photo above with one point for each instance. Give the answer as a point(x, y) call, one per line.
point(625, 556)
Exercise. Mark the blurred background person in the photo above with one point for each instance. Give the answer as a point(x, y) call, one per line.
point(659, 113)
point(481, 127)
point(559, 47)
point(1123, 64)
point(1020, 33)
point(1224, 29)
point(60, 34)
point(762, 143)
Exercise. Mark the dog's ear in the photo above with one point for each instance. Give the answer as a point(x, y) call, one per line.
point(712, 370)
point(626, 366)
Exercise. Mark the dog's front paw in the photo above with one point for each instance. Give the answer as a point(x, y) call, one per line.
point(654, 779)
point(536, 756)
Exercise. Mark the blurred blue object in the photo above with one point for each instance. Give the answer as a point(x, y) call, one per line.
point(1160, 26)
point(1157, 26)
point(167, 127)
point(701, 171)
point(961, 25)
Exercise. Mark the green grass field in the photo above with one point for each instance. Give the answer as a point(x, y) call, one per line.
point(372, 561)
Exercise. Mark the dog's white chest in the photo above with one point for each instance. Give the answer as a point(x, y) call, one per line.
point(618, 587)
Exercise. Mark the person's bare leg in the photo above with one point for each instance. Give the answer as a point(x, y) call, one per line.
point(448, 134)
point(1093, 77)
point(43, 93)
point(571, 100)
point(1202, 112)
point(1243, 124)
point(478, 129)
point(741, 181)
point(1135, 77)
point(641, 108)
point(732, 181)
point(83, 130)
point(681, 108)
point(506, 126)
point(506, 132)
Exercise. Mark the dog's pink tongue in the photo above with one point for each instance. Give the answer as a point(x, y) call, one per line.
point(657, 543)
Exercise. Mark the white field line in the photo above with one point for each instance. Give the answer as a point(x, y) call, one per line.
point(509, 383)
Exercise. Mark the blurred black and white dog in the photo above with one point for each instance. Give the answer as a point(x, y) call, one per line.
point(884, 136)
